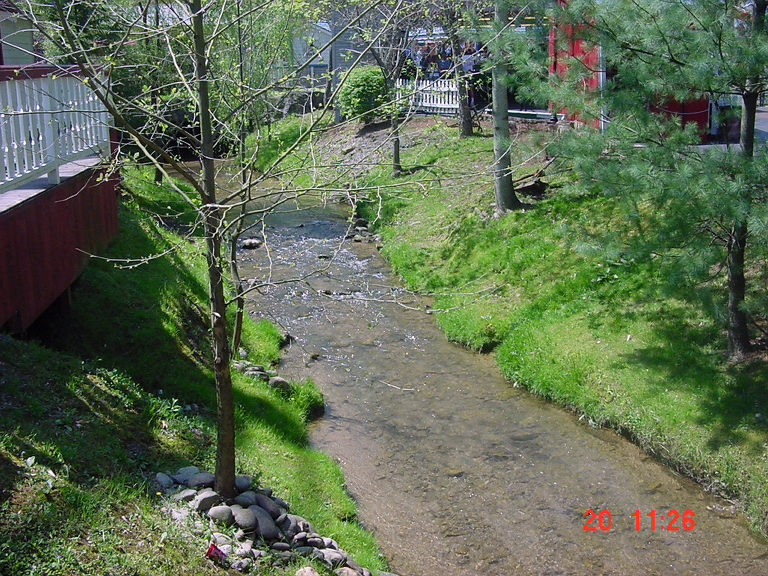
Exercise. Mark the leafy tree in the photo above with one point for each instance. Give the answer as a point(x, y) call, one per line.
point(695, 206)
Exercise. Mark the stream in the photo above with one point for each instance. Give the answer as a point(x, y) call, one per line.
point(454, 470)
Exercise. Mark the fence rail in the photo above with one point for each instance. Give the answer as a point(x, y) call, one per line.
point(430, 96)
point(47, 121)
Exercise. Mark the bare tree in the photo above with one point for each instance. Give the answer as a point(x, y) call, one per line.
point(186, 95)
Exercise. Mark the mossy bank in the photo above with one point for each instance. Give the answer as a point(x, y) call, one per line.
point(122, 389)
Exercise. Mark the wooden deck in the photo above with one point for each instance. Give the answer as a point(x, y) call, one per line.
point(47, 234)
point(58, 204)
point(29, 190)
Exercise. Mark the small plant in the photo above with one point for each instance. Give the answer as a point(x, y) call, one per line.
point(363, 94)
point(308, 399)
point(158, 410)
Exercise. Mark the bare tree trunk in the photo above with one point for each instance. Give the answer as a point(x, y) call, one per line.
point(234, 271)
point(504, 189)
point(225, 440)
point(465, 113)
point(397, 167)
point(244, 180)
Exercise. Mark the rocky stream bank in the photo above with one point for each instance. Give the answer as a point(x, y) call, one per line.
point(252, 530)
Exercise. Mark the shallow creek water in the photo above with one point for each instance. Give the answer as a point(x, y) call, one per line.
point(454, 470)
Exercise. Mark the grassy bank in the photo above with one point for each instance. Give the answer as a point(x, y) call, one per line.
point(601, 334)
point(122, 390)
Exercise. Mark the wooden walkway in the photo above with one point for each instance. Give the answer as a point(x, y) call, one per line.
point(30, 189)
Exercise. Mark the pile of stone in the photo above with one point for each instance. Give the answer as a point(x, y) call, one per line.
point(265, 530)
point(359, 232)
point(258, 371)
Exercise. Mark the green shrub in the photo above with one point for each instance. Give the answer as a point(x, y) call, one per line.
point(363, 93)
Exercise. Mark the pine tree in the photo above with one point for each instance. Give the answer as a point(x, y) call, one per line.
point(694, 205)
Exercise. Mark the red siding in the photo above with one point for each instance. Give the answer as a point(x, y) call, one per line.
point(694, 111)
point(565, 47)
point(41, 242)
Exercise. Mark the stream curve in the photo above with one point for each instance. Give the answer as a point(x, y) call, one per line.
point(457, 472)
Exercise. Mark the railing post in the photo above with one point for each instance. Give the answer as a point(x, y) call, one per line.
point(5, 128)
point(50, 133)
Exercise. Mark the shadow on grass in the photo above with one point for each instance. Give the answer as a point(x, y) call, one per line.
point(149, 322)
point(90, 425)
point(728, 396)
point(142, 319)
point(9, 473)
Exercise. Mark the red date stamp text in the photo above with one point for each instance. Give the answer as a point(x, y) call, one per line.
point(672, 520)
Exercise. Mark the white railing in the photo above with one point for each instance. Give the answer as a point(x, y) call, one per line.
point(46, 122)
point(430, 96)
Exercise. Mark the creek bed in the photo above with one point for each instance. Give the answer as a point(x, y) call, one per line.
point(457, 472)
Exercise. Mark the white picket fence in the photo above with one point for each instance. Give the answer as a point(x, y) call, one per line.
point(45, 123)
point(429, 96)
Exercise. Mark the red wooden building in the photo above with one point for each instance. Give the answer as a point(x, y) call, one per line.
point(58, 201)
point(567, 47)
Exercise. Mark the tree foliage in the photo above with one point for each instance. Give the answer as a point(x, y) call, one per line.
point(364, 94)
point(701, 208)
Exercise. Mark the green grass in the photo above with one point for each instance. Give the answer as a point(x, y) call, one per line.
point(90, 418)
point(280, 136)
point(588, 328)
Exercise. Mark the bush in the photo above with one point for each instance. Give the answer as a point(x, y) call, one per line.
point(364, 91)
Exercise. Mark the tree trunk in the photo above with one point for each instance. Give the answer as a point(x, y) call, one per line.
point(504, 189)
point(748, 115)
point(465, 113)
point(234, 269)
point(738, 333)
point(225, 440)
point(234, 272)
point(397, 167)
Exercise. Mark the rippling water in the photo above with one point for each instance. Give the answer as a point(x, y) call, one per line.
point(454, 470)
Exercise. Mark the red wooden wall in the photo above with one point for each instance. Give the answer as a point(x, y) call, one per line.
point(565, 47)
point(41, 241)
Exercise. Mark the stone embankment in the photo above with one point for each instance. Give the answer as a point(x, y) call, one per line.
point(252, 530)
